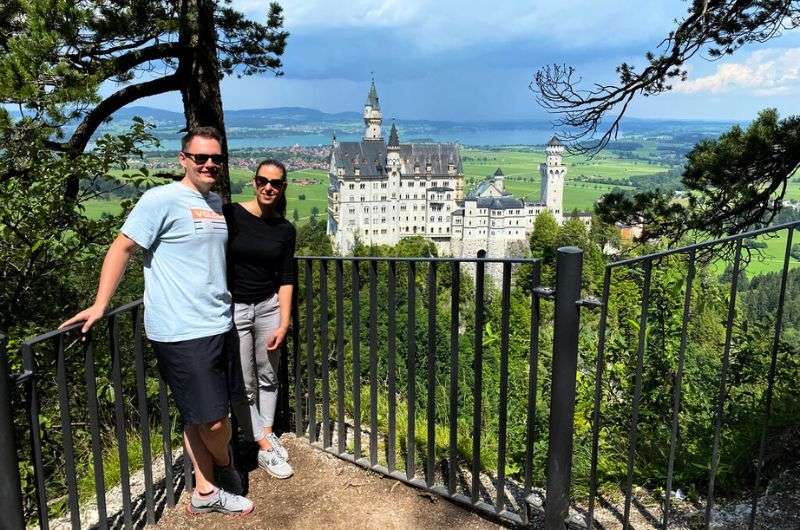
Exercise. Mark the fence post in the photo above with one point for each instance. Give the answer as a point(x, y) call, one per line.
point(10, 496)
point(569, 264)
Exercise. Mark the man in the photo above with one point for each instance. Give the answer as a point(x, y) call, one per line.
point(187, 313)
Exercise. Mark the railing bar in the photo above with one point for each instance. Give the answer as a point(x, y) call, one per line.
point(298, 368)
point(324, 353)
point(66, 429)
point(505, 305)
point(533, 377)
point(704, 244)
point(36, 441)
point(341, 433)
point(94, 427)
point(310, 365)
point(533, 384)
point(166, 441)
point(10, 488)
point(723, 376)
point(598, 386)
point(66, 330)
point(431, 386)
point(773, 363)
point(119, 415)
point(411, 369)
point(392, 367)
point(188, 469)
point(420, 259)
point(677, 390)
point(144, 423)
point(478, 385)
point(356, 347)
point(455, 291)
point(373, 362)
point(637, 391)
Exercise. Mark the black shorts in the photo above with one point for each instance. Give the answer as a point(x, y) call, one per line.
point(202, 375)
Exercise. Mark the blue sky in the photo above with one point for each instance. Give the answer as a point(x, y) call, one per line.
point(474, 60)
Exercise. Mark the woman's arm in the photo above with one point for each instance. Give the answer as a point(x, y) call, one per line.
point(285, 309)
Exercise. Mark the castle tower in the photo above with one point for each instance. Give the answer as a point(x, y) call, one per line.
point(499, 180)
point(393, 150)
point(553, 172)
point(372, 115)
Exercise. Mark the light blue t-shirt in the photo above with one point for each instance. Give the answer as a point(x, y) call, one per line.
point(184, 236)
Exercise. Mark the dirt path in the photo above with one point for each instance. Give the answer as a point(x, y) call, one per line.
point(328, 492)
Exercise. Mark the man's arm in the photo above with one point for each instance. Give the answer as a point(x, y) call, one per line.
point(117, 257)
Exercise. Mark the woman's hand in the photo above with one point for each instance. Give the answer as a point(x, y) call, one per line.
point(277, 338)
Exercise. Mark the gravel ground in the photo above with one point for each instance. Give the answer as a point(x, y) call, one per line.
point(328, 492)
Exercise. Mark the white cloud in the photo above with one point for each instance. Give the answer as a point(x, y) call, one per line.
point(435, 25)
point(769, 72)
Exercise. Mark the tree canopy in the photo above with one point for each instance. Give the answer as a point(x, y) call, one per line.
point(733, 183)
point(716, 27)
point(57, 56)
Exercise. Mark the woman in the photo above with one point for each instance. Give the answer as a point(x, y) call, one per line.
point(260, 276)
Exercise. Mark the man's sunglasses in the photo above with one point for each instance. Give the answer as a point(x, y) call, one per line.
point(202, 158)
point(263, 181)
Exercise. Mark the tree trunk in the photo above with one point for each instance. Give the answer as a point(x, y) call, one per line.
point(202, 100)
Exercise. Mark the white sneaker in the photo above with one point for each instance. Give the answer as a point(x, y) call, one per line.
point(272, 462)
point(278, 446)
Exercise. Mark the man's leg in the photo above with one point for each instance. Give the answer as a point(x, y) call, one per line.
point(215, 437)
point(201, 458)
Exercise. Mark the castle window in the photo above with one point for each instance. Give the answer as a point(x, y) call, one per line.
point(352, 186)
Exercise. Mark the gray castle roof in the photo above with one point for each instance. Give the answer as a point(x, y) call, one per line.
point(372, 97)
point(439, 156)
point(370, 157)
point(500, 203)
point(394, 140)
point(554, 142)
point(499, 173)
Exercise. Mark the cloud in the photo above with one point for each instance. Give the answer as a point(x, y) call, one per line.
point(769, 72)
point(441, 25)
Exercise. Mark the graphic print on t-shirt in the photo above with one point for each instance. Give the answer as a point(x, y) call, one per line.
point(208, 222)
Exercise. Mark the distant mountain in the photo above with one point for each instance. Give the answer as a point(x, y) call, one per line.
point(244, 117)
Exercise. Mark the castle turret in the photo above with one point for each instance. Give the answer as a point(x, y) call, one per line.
point(499, 180)
point(372, 115)
point(553, 173)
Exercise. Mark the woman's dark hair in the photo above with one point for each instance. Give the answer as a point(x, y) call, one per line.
point(280, 208)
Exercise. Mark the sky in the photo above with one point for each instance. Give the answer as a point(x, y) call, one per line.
point(474, 59)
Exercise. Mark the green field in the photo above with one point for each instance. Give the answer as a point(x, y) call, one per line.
point(315, 194)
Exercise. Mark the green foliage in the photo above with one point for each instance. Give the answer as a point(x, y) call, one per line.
point(746, 170)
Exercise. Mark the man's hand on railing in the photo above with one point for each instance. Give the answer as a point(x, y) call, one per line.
point(88, 316)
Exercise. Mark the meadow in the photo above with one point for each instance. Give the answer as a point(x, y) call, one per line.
point(521, 167)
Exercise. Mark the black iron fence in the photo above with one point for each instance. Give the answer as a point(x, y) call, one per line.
point(55, 367)
point(421, 369)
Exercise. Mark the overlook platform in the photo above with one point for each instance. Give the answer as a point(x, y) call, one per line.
point(327, 492)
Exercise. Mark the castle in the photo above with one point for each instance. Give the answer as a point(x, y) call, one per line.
point(381, 192)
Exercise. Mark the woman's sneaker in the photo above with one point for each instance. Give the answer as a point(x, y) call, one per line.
point(278, 446)
point(220, 501)
point(272, 462)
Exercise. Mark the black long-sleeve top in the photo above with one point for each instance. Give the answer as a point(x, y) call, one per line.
point(260, 254)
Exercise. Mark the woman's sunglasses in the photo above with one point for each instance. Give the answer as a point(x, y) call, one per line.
point(263, 181)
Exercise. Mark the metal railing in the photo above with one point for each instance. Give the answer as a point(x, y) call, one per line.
point(330, 410)
point(647, 266)
point(48, 363)
point(384, 383)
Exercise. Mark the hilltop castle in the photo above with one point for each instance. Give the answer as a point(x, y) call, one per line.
point(381, 192)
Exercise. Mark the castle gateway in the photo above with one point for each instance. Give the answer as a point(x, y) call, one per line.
point(381, 192)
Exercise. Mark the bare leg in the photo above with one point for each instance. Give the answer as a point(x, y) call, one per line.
point(201, 458)
point(263, 443)
point(215, 436)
